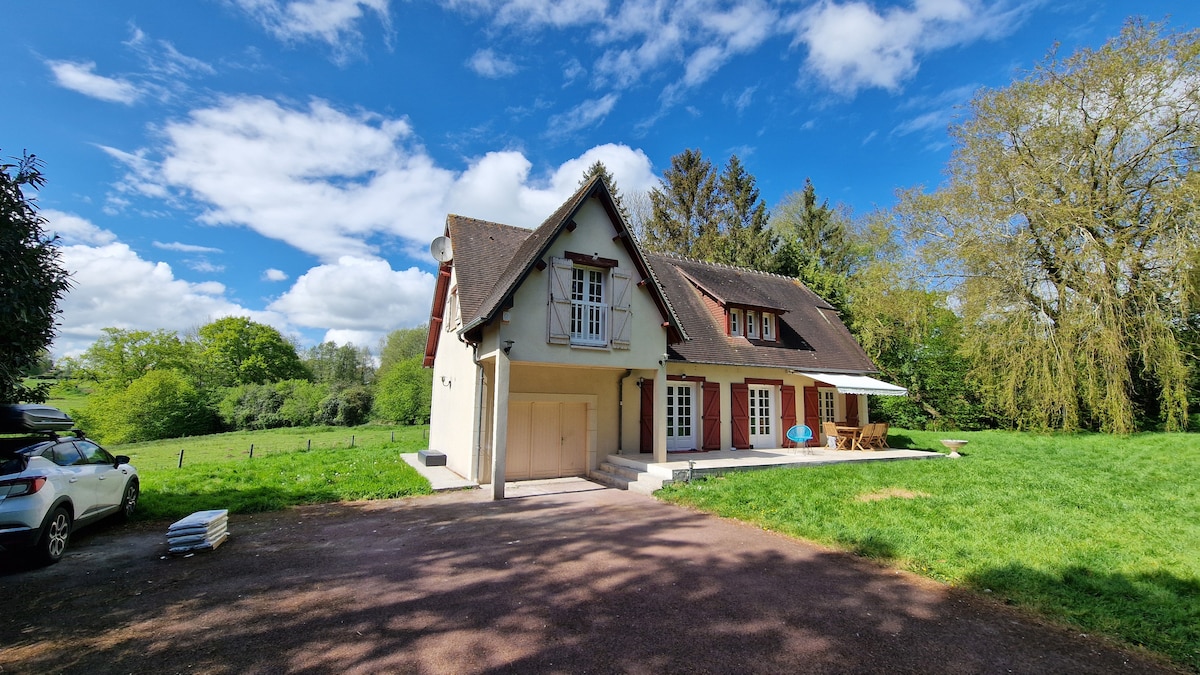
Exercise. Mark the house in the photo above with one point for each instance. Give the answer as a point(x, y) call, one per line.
point(556, 347)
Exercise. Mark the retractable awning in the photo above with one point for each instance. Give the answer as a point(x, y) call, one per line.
point(858, 384)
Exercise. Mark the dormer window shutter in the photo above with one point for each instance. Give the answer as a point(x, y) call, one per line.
point(622, 299)
point(558, 305)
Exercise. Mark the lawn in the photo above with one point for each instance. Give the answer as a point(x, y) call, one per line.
point(288, 467)
point(1097, 531)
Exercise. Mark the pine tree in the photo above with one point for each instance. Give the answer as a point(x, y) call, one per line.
point(684, 207)
point(745, 238)
point(598, 169)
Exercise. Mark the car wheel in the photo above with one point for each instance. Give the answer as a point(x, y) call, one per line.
point(129, 500)
point(55, 536)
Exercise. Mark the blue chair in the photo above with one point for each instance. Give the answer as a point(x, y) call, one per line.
point(800, 435)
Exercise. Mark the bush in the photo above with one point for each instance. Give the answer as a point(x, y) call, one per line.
point(404, 393)
point(347, 407)
point(159, 404)
point(290, 403)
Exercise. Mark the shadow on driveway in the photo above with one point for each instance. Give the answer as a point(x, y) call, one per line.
point(555, 579)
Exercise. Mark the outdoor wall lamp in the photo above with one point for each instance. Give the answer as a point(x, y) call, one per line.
point(507, 346)
point(447, 381)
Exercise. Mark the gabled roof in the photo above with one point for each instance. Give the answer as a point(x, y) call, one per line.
point(811, 335)
point(491, 260)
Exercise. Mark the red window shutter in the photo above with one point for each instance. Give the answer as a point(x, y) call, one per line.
point(812, 417)
point(852, 409)
point(647, 425)
point(739, 399)
point(787, 404)
point(712, 416)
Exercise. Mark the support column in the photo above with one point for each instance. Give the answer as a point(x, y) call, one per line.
point(660, 414)
point(499, 423)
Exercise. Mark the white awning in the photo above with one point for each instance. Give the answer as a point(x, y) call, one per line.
point(858, 384)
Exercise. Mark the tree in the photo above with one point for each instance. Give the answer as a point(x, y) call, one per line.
point(120, 356)
point(32, 281)
point(236, 350)
point(598, 169)
point(1069, 221)
point(684, 208)
point(159, 404)
point(746, 240)
point(405, 393)
point(401, 344)
point(816, 245)
point(346, 364)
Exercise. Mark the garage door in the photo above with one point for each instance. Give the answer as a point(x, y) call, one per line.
point(546, 439)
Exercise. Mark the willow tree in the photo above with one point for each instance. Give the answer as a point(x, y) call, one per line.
point(1069, 221)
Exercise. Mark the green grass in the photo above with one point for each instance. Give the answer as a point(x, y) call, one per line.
point(1096, 531)
point(219, 473)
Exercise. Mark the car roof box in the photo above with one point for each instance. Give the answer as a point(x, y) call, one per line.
point(32, 417)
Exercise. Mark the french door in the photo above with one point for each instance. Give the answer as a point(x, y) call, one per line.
point(762, 417)
point(681, 416)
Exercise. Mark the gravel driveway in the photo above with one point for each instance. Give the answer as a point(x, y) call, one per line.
point(563, 577)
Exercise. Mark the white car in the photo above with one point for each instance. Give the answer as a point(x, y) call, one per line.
point(50, 485)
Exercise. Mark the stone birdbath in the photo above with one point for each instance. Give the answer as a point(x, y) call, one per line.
point(954, 446)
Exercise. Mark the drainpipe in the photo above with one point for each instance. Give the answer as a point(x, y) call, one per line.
point(621, 409)
point(478, 449)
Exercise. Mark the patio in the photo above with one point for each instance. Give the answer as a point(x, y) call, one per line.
point(640, 473)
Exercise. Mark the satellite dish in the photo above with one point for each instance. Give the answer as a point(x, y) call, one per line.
point(440, 249)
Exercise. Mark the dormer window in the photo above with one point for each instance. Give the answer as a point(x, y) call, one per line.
point(768, 326)
point(751, 325)
point(735, 322)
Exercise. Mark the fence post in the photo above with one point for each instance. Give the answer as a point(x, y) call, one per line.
point(181, 457)
point(393, 437)
point(251, 451)
point(310, 444)
point(352, 440)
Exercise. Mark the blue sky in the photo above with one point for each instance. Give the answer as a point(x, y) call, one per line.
point(291, 160)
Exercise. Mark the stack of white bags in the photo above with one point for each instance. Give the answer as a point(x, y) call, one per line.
point(201, 531)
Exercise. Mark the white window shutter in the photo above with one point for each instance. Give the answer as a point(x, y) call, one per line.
point(622, 315)
point(558, 305)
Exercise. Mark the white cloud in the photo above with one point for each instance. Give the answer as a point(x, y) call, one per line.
point(204, 266)
point(330, 183)
point(113, 286)
point(487, 63)
point(852, 45)
point(334, 22)
point(185, 248)
point(76, 230)
point(79, 77)
point(572, 71)
point(358, 294)
point(584, 115)
point(272, 274)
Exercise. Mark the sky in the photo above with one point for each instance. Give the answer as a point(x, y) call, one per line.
point(290, 161)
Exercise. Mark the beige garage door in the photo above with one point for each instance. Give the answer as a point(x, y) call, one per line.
point(546, 439)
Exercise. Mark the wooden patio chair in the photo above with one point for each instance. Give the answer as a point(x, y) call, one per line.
point(868, 437)
point(880, 438)
point(831, 431)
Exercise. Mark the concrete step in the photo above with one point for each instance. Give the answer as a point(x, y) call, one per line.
point(626, 478)
point(623, 471)
point(609, 479)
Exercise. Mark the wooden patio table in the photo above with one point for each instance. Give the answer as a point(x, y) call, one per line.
point(848, 437)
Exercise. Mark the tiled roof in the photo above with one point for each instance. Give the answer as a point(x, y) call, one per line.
point(489, 247)
point(811, 335)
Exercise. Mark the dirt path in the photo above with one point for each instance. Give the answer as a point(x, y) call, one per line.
point(586, 581)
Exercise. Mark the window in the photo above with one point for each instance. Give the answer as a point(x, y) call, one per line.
point(453, 320)
point(825, 405)
point(735, 322)
point(588, 308)
point(751, 325)
point(768, 326)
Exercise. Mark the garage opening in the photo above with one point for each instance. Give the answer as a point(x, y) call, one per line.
point(546, 439)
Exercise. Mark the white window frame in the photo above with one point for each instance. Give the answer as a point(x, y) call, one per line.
point(827, 405)
point(751, 325)
point(735, 322)
point(589, 306)
point(762, 411)
point(453, 320)
point(768, 326)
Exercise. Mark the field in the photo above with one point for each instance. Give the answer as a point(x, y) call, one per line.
point(288, 467)
point(1097, 531)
